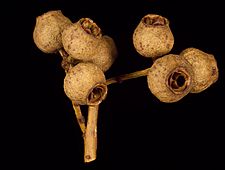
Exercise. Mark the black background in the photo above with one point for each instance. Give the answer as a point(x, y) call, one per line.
point(135, 129)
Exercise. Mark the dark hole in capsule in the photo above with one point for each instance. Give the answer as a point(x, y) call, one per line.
point(177, 81)
point(95, 94)
point(180, 81)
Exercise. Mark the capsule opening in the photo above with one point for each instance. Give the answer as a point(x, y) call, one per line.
point(154, 20)
point(97, 94)
point(90, 27)
point(179, 81)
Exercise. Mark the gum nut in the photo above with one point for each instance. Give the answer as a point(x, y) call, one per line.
point(204, 66)
point(85, 84)
point(106, 54)
point(153, 37)
point(81, 39)
point(170, 78)
point(47, 33)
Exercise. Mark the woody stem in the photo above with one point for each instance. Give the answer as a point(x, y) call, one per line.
point(121, 78)
point(90, 138)
point(79, 116)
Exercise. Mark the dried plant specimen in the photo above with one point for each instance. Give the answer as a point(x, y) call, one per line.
point(47, 33)
point(81, 39)
point(106, 54)
point(204, 66)
point(170, 78)
point(87, 54)
point(85, 84)
point(153, 37)
point(84, 41)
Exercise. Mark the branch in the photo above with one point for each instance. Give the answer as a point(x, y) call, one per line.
point(90, 139)
point(121, 78)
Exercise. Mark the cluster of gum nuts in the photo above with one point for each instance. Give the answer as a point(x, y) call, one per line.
point(87, 54)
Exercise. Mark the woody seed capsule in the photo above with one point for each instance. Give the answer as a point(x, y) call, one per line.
point(153, 37)
point(106, 54)
point(48, 30)
point(85, 84)
point(204, 66)
point(81, 39)
point(170, 78)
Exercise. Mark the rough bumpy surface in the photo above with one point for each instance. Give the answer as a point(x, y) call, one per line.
point(47, 33)
point(83, 41)
point(85, 83)
point(170, 78)
point(153, 37)
point(204, 66)
point(106, 54)
point(79, 42)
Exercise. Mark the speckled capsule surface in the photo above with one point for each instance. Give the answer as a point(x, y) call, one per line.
point(85, 84)
point(153, 37)
point(81, 39)
point(48, 29)
point(204, 66)
point(170, 78)
point(106, 54)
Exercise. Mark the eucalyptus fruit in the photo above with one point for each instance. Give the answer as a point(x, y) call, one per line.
point(204, 66)
point(84, 41)
point(106, 54)
point(153, 37)
point(81, 39)
point(47, 33)
point(170, 78)
point(87, 54)
point(85, 84)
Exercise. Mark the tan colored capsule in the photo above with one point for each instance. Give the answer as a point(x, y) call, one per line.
point(85, 84)
point(81, 39)
point(153, 37)
point(106, 54)
point(204, 66)
point(170, 78)
point(48, 30)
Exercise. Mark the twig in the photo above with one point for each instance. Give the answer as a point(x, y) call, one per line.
point(121, 78)
point(80, 117)
point(63, 53)
point(90, 139)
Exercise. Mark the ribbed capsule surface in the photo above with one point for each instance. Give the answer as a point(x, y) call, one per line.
point(85, 84)
point(48, 29)
point(153, 37)
point(204, 66)
point(170, 78)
